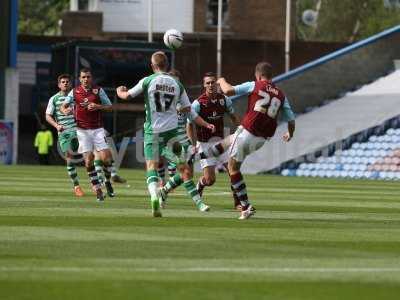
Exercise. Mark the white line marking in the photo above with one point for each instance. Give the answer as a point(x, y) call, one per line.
point(199, 270)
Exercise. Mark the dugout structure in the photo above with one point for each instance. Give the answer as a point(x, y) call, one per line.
point(113, 64)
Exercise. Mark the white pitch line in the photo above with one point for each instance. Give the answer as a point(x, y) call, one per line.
point(199, 270)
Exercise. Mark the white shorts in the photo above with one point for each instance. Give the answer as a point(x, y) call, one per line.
point(244, 143)
point(211, 161)
point(91, 139)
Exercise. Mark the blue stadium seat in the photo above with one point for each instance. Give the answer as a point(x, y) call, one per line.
point(358, 159)
point(373, 138)
point(285, 172)
point(390, 131)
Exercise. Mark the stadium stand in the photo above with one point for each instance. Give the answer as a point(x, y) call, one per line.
point(333, 126)
point(378, 157)
point(353, 117)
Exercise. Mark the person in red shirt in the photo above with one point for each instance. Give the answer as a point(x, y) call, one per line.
point(87, 97)
point(265, 102)
point(212, 107)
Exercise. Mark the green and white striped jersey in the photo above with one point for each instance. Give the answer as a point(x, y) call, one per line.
point(53, 109)
point(162, 93)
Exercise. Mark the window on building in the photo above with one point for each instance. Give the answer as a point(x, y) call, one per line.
point(212, 12)
point(391, 3)
point(83, 4)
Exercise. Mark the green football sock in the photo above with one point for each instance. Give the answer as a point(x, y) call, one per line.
point(192, 191)
point(152, 183)
point(173, 183)
point(98, 165)
point(73, 174)
point(171, 170)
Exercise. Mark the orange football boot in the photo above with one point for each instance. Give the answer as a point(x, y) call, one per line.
point(78, 191)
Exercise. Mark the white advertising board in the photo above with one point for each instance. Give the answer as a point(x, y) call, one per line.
point(132, 15)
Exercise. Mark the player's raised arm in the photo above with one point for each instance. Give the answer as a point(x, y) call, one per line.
point(236, 91)
point(125, 94)
point(122, 92)
point(226, 87)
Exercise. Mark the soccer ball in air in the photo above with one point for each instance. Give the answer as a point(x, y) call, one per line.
point(173, 39)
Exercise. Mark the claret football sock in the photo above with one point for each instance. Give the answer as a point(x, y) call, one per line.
point(161, 172)
point(239, 186)
point(236, 200)
point(93, 177)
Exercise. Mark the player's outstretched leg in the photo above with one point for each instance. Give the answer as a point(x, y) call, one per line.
point(194, 194)
point(214, 151)
point(74, 178)
point(188, 184)
point(152, 186)
point(172, 183)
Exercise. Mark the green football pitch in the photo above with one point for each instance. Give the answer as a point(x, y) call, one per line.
point(310, 239)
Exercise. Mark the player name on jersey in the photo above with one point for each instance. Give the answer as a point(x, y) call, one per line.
point(165, 88)
point(272, 90)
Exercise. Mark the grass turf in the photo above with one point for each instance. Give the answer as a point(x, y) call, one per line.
point(310, 239)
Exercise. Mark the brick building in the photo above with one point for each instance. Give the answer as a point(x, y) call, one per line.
point(250, 19)
point(253, 30)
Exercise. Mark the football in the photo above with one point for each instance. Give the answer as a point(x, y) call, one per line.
point(173, 39)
